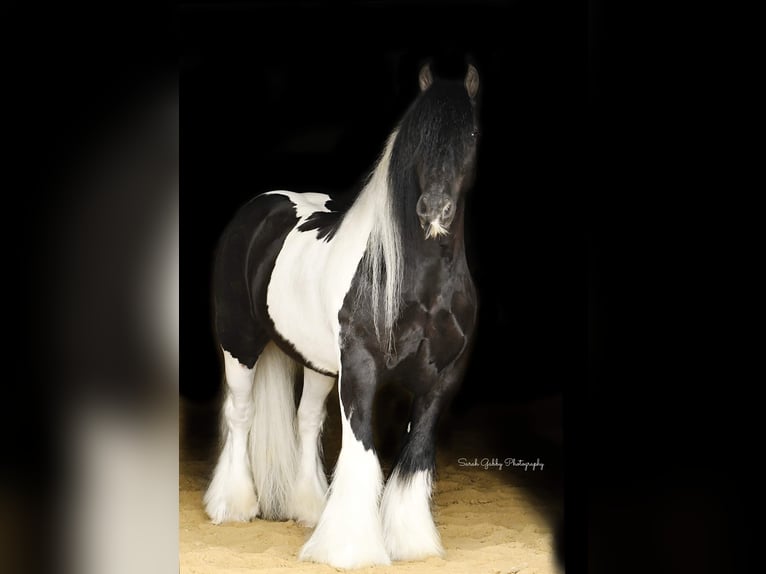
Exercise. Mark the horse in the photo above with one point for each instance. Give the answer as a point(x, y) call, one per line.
point(358, 292)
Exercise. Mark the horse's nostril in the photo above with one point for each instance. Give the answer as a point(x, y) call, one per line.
point(422, 208)
point(448, 210)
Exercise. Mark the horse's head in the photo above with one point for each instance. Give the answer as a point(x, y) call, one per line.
point(444, 123)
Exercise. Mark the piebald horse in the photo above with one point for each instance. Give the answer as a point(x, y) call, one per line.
point(361, 292)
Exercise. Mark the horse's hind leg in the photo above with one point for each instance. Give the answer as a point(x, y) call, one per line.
point(231, 494)
point(310, 489)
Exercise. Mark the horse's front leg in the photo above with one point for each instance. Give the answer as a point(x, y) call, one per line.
point(349, 532)
point(408, 526)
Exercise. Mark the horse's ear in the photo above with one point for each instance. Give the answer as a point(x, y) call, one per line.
point(425, 79)
point(472, 81)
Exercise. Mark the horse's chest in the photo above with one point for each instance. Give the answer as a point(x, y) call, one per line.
point(433, 335)
point(444, 338)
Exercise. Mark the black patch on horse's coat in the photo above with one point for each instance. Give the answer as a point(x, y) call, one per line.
point(358, 367)
point(432, 337)
point(245, 258)
point(327, 223)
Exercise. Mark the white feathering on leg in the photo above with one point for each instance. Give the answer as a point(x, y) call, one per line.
point(310, 488)
point(408, 527)
point(349, 533)
point(231, 495)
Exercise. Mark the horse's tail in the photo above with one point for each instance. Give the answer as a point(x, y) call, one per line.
point(273, 438)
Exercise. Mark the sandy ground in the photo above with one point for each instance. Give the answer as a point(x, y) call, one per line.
point(491, 520)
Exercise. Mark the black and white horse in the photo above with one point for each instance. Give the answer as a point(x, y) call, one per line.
point(359, 292)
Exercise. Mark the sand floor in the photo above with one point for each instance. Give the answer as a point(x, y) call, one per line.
point(491, 521)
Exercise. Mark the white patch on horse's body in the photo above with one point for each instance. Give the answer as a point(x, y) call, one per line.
point(305, 204)
point(408, 527)
point(231, 494)
point(311, 278)
point(349, 533)
point(308, 284)
point(310, 488)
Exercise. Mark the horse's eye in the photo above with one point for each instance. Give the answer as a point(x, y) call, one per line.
point(475, 133)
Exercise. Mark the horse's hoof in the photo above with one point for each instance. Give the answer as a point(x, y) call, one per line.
point(231, 506)
point(345, 555)
point(308, 502)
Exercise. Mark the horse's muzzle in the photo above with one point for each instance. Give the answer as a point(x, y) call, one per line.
point(435, 211)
